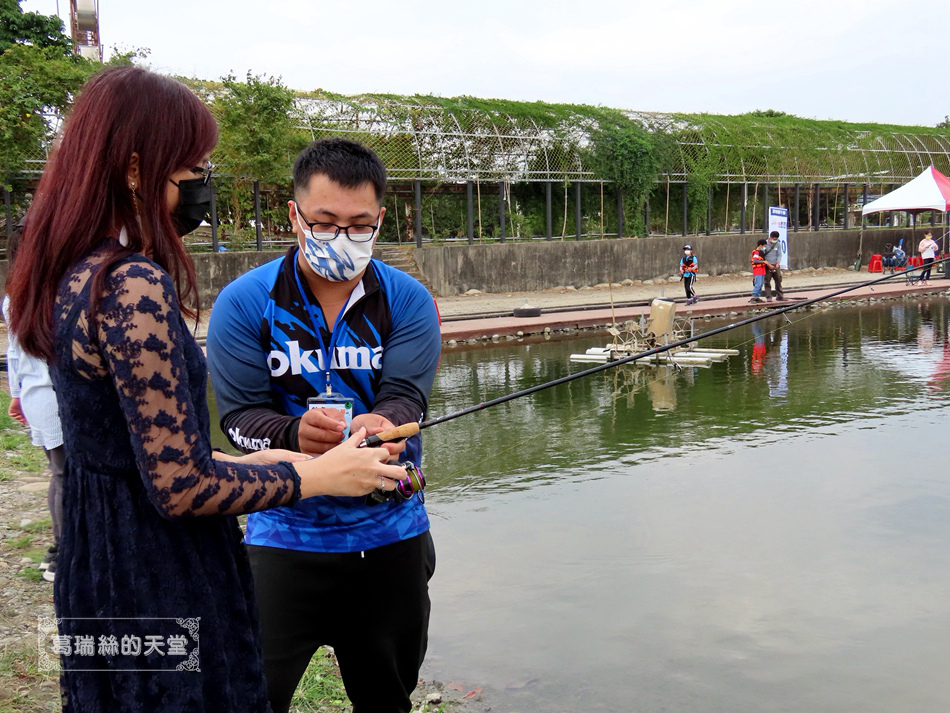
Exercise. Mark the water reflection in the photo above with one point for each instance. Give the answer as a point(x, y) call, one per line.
point(768, 534)
point(824, 369)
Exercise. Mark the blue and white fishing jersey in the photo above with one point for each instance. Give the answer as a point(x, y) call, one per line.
point(269, 349)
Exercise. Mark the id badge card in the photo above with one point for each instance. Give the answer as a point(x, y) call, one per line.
point(334, 401)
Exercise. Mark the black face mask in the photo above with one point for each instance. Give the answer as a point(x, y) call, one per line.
point(194, 203)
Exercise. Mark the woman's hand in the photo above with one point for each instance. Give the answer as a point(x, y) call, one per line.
point(349, 471)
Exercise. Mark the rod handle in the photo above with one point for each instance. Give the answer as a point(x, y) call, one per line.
point(406, 430)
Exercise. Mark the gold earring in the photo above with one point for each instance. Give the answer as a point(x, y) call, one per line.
point(135, 198)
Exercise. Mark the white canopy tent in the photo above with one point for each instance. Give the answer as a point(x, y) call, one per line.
point(929, 191)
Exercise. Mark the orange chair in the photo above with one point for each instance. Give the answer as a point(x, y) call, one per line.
point(915, 261)
point(876, 264)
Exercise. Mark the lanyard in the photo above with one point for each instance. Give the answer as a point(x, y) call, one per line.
point(327, 353)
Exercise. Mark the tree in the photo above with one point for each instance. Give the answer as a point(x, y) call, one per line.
point(37, 85)
point(945, 124)
point(258, 138)
point(628, 155)
point(31, 28)
point(39, 74)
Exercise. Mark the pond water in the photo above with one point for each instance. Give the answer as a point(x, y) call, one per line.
point(769, 534)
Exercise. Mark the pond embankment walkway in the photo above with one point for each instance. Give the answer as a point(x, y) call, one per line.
point(479, 317)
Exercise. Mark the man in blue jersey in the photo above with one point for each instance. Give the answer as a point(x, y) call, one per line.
point(302, 350)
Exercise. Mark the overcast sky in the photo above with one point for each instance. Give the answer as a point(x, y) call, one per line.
point(876, 61)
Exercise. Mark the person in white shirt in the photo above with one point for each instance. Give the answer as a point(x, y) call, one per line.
point(928, 251)
point(33, 404)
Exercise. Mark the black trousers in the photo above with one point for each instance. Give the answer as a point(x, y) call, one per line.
point(371, 607)
point(689, 280)
point(925, 273)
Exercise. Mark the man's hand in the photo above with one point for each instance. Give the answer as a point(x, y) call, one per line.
point(374, 423)
point(16, 412)
point(321, 429)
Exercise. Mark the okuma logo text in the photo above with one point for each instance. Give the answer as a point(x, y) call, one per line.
point(248, 444)
point(297, 361)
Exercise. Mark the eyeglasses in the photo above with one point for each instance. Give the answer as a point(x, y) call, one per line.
point(325, 232)
point(201, 172)
point(204, 171)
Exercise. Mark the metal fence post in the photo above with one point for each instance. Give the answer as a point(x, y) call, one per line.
point(708, 209)
point(745, 198)
point(501, 208)
point(646, 217)
point(864, 202)
point(257, 215)
point(816, 209)
point(417, 190)
point(797, 220)
point(214, 217)
point(577, 209)
point(847, 200)
point(469, 188)
point(619, 211)
point(685, 207)
point(547, 208)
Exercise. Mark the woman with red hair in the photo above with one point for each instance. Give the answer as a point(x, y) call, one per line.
point(151, 558)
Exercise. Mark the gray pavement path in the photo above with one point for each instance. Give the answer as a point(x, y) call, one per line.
point(726, 296)
point(706, 287)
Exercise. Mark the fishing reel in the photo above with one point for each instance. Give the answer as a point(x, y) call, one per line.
point(413, 483)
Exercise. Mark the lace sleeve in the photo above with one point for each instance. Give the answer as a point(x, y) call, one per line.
point(141, 337)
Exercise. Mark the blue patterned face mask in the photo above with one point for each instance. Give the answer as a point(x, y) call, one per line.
point(336, 259)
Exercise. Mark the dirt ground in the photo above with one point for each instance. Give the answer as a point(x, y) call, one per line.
point(25, 536)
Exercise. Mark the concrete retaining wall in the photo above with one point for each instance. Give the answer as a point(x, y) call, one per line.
point(216, 270)
point(525, 267)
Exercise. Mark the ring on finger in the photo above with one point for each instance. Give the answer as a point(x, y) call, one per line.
point(382, 483)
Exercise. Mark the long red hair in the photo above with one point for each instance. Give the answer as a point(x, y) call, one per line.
point(84, 195)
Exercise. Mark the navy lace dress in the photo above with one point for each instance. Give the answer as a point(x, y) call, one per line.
point(148, 531)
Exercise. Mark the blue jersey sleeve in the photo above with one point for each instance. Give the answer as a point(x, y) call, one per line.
point(238, 364)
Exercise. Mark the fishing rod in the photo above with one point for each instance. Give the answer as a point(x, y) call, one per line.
point(410, 429)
